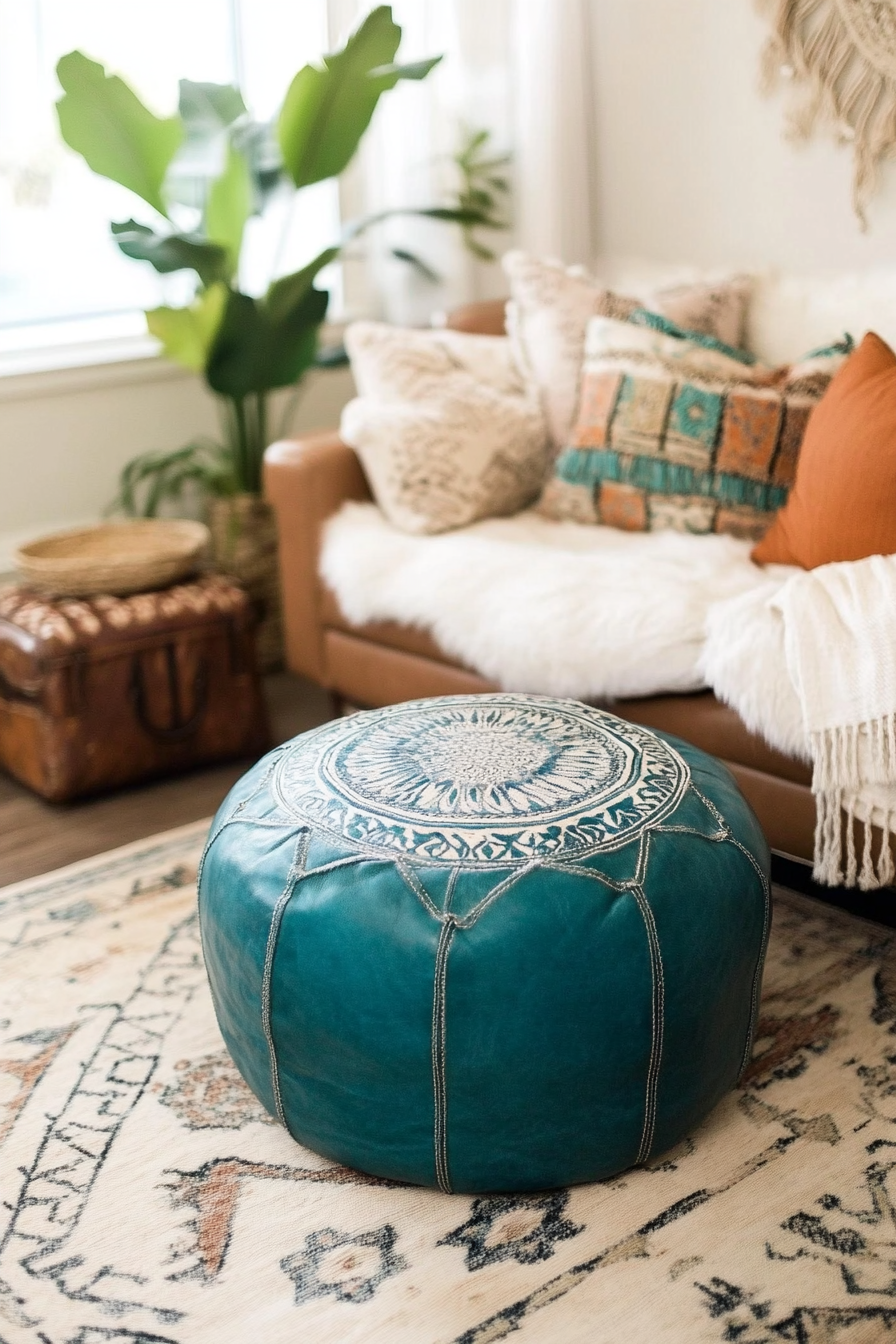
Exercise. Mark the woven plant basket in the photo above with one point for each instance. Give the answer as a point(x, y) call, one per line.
point(115, 558)
point(244, 545)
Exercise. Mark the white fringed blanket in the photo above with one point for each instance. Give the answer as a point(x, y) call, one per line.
point(810, 665)
point(840, 645)
point(808, 660)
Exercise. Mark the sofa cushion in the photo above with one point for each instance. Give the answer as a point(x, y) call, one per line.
point(444, 426)
point(543, 606)
point(675, 430)
point(550, 308)
point(843, 505)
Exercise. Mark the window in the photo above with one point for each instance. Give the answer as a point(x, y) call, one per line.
point(61, 276)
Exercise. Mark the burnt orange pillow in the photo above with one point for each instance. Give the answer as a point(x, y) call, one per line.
point(843, 502)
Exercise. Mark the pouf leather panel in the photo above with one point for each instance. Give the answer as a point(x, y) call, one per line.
point(486, 942)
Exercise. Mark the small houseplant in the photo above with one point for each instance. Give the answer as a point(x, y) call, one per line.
point(204, 172)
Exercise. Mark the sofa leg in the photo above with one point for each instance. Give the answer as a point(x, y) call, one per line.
point(337, 705)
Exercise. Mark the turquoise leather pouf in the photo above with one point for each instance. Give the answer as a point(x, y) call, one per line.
point(495, 942)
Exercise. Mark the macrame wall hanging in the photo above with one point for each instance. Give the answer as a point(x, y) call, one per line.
point(840, 58)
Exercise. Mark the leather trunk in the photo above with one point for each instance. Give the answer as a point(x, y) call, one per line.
point(106, 691)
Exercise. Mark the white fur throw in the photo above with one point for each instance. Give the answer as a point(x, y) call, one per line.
point(443, 425)
point(553, 608)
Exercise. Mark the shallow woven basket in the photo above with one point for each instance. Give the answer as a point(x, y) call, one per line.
point(114, 558)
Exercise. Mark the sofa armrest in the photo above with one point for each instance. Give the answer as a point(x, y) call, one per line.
point(484, 318)
point(306, 480)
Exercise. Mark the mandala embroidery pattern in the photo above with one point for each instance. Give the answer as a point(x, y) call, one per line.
point(457, 780)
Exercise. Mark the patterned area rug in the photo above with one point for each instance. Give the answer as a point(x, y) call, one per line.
point(145, 1197)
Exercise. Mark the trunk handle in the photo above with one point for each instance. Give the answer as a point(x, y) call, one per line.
point(180, 728)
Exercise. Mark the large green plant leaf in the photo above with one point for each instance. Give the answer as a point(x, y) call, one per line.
point(229, 206)
point(101, 118)
point(270, 342)
point(390, 74)
point(284, 294)
point(294, 338)
point(216, 118)
point(187, 334)
point(257, 142)
point(208, 109)
point(172, 252)
point(328, 108)
point(256, 350)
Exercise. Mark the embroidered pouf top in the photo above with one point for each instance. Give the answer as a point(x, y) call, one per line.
point(488, 942)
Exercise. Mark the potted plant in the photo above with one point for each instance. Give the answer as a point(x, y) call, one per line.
point(204, 172)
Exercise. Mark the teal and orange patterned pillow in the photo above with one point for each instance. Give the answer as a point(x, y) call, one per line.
point(677, 430)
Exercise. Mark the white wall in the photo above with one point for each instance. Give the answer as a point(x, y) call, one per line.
point(692, 164)
point(65, 435)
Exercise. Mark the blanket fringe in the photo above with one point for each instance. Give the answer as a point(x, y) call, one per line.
point(845, 759)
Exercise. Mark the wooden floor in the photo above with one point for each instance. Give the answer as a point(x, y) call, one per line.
point(36, 837)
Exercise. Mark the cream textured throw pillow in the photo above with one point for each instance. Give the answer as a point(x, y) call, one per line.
point(444, 427)
point(550, 307)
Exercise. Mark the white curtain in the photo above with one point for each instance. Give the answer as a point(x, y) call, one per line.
point(554, 142)
point(518, 68)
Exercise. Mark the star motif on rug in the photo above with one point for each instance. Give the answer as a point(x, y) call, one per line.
point(513, 1227)
point(348, 1266)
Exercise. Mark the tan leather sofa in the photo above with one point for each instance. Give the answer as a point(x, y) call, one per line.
point(307, 479)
